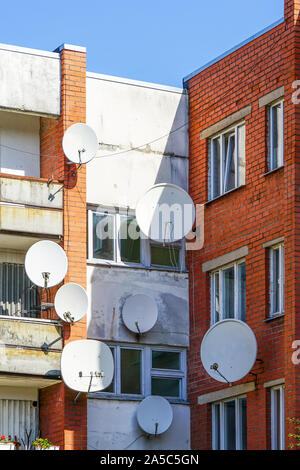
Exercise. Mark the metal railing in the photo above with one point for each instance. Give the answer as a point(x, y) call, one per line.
point(19, 297)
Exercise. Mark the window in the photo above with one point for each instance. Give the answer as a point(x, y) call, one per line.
point(143, 371)
point(275, 136)
point(18, 297)
point(227, 161)
point(229, 421)
point(168, 255)
point(18, 418)
point(277, 418)
point(276, 262)
point(115, 238)
point(228, 292)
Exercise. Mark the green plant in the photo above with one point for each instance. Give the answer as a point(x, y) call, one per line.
point(294, 436)
point(40, 442)
point(6, 439)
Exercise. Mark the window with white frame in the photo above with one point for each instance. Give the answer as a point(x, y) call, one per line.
point(277, 418)
point(228, 292)
point(227, 161)
point(275, 136)
point(143, 371)
point(115, 238)
point(276, 263)
point(229, 424)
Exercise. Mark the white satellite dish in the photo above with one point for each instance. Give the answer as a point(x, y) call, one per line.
point(165, 213)
point(140, 313)
point(154, 415)
point(228, 350)
point(71, 302)
point(87, 365)
point(80, 143)
point(46, 263)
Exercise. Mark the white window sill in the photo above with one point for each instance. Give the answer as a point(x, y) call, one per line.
point(112, 396)
point(274, 316)
point(112, 264)
point(224, 194)
point(273, 171)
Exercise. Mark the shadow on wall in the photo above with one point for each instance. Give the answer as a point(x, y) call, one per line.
point(174, 164)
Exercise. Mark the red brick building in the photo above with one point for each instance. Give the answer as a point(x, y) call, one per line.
point(244, 168)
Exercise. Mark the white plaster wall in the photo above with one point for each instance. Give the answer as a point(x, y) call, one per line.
point(108, 289)
point(125, 116)
point(19, 133)
point(112, 425)
point(29, 80)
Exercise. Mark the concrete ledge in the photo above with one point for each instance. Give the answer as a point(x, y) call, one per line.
point(229, 392)
point(273, 242)
point(270, 97)
point(228, 121)
point(27, 50)
point(225, 259)
point(29, 361)
point(16, 218)
point(274, 383)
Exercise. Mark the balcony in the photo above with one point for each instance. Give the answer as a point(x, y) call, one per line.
point(31, 347)
point(27, 211)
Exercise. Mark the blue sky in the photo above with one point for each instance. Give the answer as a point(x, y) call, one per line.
point(156, 41)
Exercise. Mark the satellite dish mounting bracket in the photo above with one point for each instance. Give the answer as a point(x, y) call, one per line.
point(46, 347)
point(256, 377)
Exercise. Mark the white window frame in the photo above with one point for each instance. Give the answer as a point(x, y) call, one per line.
point(221, 136)
point(221, 291)
point(280, 162)
point(272, 313)
point(274, 430)
point(145, 244)
point(147, 372)
point(222, 430)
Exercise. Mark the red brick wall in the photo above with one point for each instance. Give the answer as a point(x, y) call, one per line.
point(60, 420)
point(264, 209)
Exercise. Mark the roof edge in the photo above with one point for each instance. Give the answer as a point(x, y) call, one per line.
point(138, 83)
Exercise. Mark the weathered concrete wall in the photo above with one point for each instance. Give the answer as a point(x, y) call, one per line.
point(22, 343)
point(112, 425)
point(19, 143)
point(29, 333)
point(108, 289)
point(29, 80)
point(31, 220)
point(125, 115)
point(29, 361)
point(30, 192)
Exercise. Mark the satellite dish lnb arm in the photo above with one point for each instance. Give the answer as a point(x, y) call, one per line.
point(215, 367)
